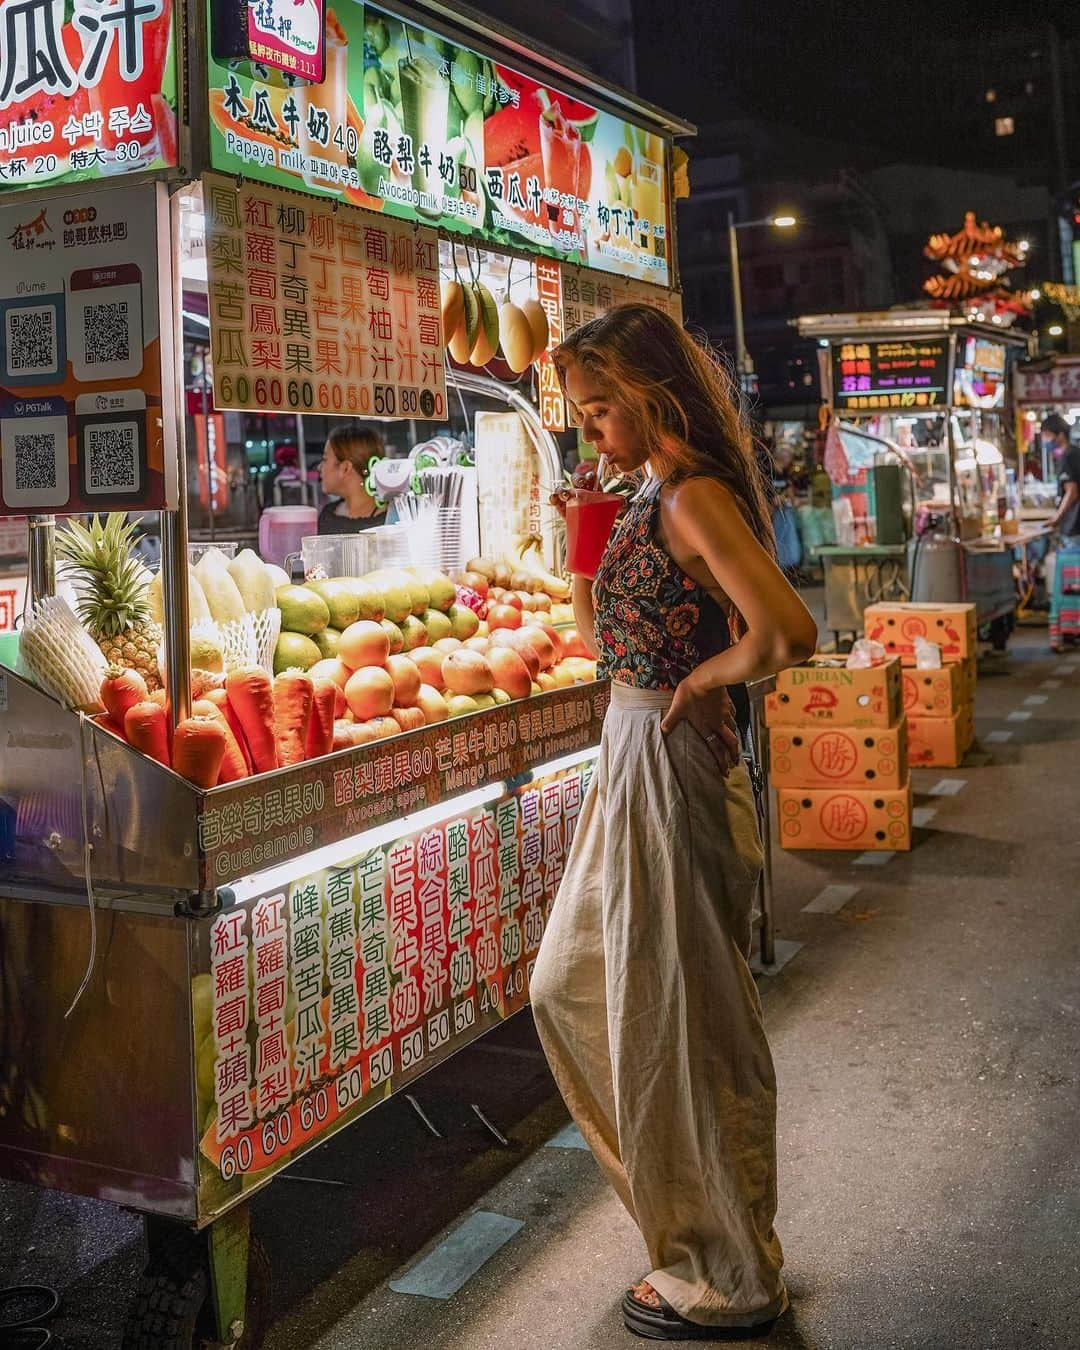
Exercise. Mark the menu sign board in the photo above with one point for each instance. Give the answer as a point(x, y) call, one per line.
point(315, 308)
point(82, 423)
point(414, 125)
point(980, 374)
point(248, 826)
point(87, 89)
point(572, 296)
point(890, 373)
point(289, 35)
point(317, 999)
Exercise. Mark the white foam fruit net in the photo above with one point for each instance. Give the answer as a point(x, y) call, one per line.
point(267, 630)
point(249, 641)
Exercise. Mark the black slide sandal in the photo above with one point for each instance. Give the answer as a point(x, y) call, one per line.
point(665, 1324)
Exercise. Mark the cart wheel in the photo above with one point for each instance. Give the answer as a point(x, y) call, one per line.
point(173, 1292)
point(174, 1310)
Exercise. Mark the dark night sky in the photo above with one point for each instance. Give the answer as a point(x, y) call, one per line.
point(840, 69)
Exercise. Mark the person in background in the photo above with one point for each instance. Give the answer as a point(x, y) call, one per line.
point(642, 992)
point(1055, 436)
point(343, 470)
point(1066, 519)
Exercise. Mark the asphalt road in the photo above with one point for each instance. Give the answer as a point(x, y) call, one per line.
point(927, 1039)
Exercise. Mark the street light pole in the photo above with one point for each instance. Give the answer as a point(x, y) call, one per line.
point(743, 364)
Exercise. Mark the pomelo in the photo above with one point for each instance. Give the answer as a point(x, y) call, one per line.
point(438, 624)
point(295, 651)
point(302, 611)
point(328, 641)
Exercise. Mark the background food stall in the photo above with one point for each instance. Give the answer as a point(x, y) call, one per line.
point(923, 463)
point(203, 975)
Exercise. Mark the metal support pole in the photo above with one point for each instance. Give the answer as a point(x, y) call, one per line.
point(742, 357)
point(41, 557)
point(761, 747)
point(174, 524)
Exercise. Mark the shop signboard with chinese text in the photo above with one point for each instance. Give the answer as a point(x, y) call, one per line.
point(1057, 384)
point(83, 426)
point(87, 90)
point(288, 35)
point(909, 373)
point(316, 308)
point(316, 1000)
point(248, 826)
point(414, 125)
point(572, 296)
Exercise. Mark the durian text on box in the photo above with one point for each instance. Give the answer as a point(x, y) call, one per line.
point(825, 690)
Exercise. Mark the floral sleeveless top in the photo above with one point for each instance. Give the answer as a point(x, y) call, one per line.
point(654, 624)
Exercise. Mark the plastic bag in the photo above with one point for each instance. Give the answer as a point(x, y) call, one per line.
point(927, 655)
point(865, 653)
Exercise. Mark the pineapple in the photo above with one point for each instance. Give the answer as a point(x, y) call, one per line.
point(112, 592)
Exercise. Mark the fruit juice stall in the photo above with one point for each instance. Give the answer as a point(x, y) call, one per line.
point(922, 463)
point(272, 847)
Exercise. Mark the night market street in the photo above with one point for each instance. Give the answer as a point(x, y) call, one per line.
point(926, 1036)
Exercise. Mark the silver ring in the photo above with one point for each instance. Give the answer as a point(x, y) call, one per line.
point(713, 736)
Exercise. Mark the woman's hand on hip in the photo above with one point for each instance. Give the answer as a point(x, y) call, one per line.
point(711, 713)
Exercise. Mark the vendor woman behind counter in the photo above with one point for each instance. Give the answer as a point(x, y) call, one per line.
point(343, 470)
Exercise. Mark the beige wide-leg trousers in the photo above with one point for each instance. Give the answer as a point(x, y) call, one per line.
point(650, 1018)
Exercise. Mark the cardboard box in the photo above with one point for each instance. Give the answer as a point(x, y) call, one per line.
point(855, 819)
point(940, 742)
point(827, 756)
point(896, 626)
point(936, 693)
point(825, 691)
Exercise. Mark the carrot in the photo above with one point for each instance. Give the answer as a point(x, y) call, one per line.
point(320, 728)
point(251, 697)
point(198, 749)
point(204, 680)
point(146, 726)
point(219, 699)
point(234, 766)
point(120, 690)
point(107, 724)
point(293, 694)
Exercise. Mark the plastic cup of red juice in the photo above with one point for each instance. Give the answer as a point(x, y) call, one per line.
point(590, 517)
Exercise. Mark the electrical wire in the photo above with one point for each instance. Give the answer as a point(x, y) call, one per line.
point(88, 853)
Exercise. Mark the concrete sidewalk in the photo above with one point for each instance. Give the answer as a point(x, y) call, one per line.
point(927, 1039)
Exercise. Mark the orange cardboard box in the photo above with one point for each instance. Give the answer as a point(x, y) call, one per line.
point(936, 693)
point(940, 742)
point(858, 819)
point(896, 626)
point(825, 691)
point(833, 756)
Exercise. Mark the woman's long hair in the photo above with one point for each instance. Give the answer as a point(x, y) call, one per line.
point(679, 398)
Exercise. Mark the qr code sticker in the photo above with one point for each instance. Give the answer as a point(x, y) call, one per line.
point(31, 342)
point(35, 461)
point(112, 457)
point(107, 333)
